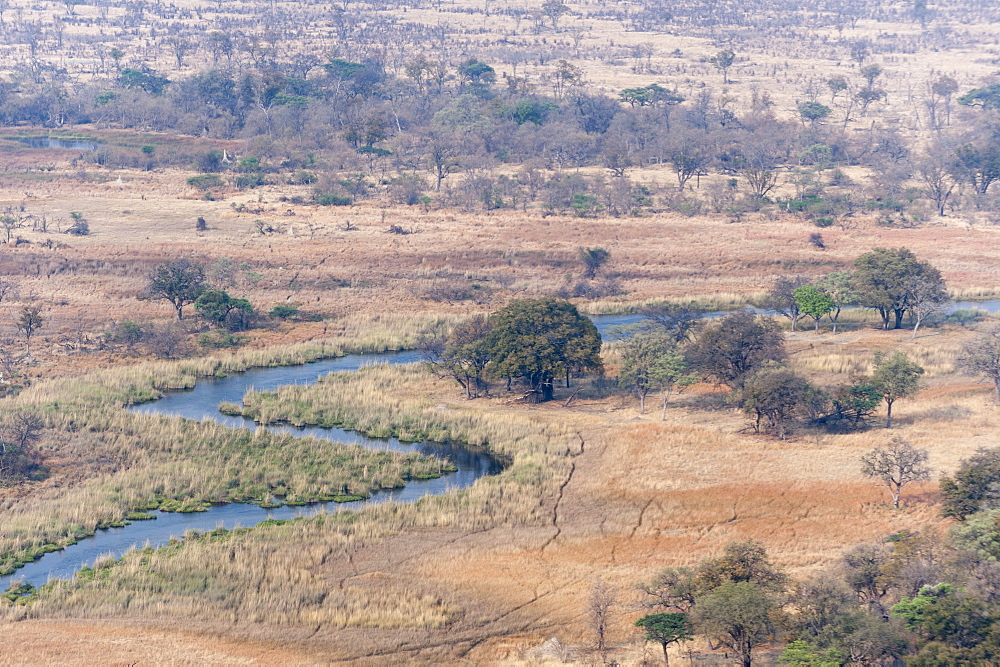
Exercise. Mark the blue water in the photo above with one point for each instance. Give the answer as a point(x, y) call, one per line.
point(201, 403)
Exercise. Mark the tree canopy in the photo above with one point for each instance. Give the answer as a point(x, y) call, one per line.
point(889, 281)
point(180, 282)
point(536, 340)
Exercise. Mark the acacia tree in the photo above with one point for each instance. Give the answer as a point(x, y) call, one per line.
point(895, 377)
point(781, 298)
point(29, 323)
point(180, 282)
point(536, 340)
point(722, 61)
point(665, 628)
point(980, 355)
point(677, 319)
point(463, 355)
point(593, 260)
point(896, 465)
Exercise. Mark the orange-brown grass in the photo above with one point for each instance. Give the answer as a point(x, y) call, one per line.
point(518, 554)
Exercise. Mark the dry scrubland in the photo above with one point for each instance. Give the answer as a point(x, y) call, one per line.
point(489, 574)
point(594, 489)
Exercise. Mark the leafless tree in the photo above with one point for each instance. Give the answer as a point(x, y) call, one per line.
point(602, 600)
point(981, 356)
point(895, 465)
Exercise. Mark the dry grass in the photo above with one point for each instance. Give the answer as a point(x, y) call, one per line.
point(509, 563)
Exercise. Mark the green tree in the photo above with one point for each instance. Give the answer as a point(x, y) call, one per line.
point(536, 340)
point(814, 302)
point(739, 615)
point(29, 323)
point(987, 98)
point(723, 60)
point(885, 279)
point(856, 402)
point(802, 654)
point(896, 465)
point(975, 485)
point(651, 362)
point(734, 346)
point(813, 112)
point(180, 282)
point(896, 377)
point(665, 629)
point(218, 307)
point(740, 562)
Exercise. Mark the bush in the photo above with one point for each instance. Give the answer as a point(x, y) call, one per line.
point(205, 181)
point(283, 312)
point(220, 339)
point(249, 181)
point(333, 200)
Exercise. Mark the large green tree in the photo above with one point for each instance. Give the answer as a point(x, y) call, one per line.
point(180, 282)
point(665, 628)
point(537, 340)
point(888, 280)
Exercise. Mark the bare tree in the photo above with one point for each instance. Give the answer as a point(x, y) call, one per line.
point(895, 465)
point(8, 289)
point(937, 182)
point(602, 599)
point(981, 356)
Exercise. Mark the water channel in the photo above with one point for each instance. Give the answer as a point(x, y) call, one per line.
point(58, 142)
point(202, 402)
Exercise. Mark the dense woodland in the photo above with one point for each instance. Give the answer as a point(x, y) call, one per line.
point(363, 109)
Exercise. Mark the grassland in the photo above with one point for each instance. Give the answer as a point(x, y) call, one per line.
point(594, 489)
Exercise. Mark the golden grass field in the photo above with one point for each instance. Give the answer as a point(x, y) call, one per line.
point(454, 583)
point(596, 490)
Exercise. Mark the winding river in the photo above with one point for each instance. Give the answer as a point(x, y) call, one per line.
point(202, 402)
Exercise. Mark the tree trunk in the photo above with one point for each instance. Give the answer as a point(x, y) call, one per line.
point(642, 402)
point(899, 317)
point(888, 414)
point(666, 658)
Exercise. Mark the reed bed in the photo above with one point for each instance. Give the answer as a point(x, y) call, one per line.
point(114, 462)
point(271, 574)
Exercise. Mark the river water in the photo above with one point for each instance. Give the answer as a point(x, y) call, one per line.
point(202, 402)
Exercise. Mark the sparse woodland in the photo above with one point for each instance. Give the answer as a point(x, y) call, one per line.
point(785, 453)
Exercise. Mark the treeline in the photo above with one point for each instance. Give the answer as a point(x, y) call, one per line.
point(441, 133)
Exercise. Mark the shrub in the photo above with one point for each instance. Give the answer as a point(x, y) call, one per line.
point(205, 181)
point(330, 199)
